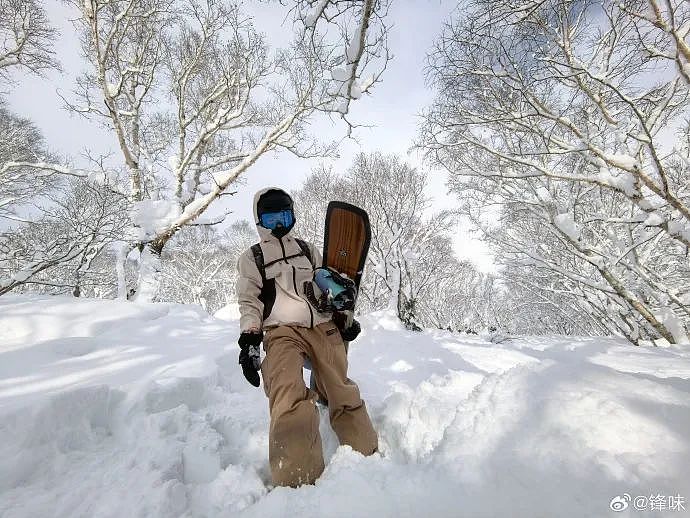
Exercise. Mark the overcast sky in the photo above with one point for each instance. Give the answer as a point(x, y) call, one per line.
point(391, 109)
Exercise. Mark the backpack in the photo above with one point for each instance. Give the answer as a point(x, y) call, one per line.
point(268, 286)
point(259, 257)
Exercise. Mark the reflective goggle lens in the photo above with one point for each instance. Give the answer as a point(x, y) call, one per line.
point(271, 220)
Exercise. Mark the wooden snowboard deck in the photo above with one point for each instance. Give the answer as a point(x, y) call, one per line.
point(346, 239)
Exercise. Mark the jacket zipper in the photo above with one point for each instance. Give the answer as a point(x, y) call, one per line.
point(311, 315)
point(282, 247)
point(294, 285)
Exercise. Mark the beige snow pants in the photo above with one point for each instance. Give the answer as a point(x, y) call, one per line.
point(294, 451)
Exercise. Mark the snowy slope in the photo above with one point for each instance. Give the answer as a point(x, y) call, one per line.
point(119, 409)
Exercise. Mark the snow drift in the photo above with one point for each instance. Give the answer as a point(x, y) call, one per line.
point(120, 409)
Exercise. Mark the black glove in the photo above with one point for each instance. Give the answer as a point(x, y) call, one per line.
point(250, 356)
point(352, 332)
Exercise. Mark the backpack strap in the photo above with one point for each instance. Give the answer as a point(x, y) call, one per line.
point(261, 265)
point(259, 260)
point(305, 250)
point(268, 288)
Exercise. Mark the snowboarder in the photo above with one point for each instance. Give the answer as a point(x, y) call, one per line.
point(274, 308)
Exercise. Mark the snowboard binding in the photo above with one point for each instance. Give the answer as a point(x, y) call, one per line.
point(338, 293)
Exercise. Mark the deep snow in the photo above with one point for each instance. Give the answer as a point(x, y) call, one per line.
point(120, 409)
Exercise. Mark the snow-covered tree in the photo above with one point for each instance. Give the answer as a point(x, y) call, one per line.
point(311, 200)
point(392, 192)
point(37, 236)
point(27, 168)
point(26, 37)
point(21, 142)
point(563, 122)
point(199, 266)
point(456, 301)
point(195, 97)
point(411, 257)
point(63, 248)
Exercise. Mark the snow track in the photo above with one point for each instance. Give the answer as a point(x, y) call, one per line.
point(113, 409)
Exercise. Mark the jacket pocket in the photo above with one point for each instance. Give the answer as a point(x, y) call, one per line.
point(302, 275)
point(333, 335)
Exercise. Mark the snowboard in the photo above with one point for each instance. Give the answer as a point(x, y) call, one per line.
point(347, 236)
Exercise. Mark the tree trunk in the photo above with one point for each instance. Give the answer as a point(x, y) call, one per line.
point(148, 281)
point(641, 309)
point(120, 258)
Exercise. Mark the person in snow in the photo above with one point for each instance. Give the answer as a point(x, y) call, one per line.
point(275, 310)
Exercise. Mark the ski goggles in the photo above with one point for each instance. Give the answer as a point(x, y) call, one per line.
point(271, 220)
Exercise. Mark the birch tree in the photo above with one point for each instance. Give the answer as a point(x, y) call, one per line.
point(411, 259)
point(21, 142)
point(200, 265)
point(29, 173)
point(26, 166)
point(26, 38)
point(194, 97)
point(567, 117)
point(68, 233)
point(311, 200)
point(36, 198)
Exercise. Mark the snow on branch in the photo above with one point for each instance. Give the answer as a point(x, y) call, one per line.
point(546, 114)
point(43, 168)
point(359, 63)
point(194, 97)
point(26, 37)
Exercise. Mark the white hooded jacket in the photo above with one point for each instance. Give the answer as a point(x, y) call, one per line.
point(287, 269)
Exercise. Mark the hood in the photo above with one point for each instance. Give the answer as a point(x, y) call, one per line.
point(265, 233)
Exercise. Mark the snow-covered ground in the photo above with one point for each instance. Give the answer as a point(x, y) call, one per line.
point(120, 409)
